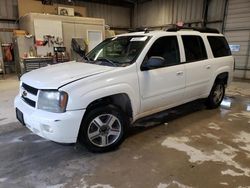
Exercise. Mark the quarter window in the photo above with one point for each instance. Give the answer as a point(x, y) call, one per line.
point(219, 46)
point(167, 48)
point(194, 48)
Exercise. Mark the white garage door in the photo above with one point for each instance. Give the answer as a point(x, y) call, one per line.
point(237, 31)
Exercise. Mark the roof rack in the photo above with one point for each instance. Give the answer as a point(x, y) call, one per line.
point(145, 30)
point(200, 29)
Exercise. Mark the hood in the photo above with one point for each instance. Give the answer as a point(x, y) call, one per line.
point(54, 76)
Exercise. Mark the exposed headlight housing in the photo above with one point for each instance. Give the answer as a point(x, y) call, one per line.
point(52, 101)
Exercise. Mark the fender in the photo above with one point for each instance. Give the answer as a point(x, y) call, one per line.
point(86, 98)
point(217, 72)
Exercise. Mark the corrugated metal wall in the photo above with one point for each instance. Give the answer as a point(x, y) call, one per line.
point(159, 13)
point(6, 37)
point(8, 10)
point(237, 31)
point(115, 16)
point(215, 14)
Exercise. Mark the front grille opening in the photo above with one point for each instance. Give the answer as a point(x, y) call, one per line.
point(30, 89)
point(29, 102)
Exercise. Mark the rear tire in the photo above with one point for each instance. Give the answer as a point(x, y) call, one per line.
point(216, 95)
point(103, 129)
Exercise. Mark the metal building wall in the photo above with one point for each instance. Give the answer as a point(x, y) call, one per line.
point(115, 16)
point(157, 13)
point(160, 13)
point(237, 31)
point(215, 16)
point(8, 15)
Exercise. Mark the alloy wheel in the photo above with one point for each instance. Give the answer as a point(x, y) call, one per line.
point(104, 130)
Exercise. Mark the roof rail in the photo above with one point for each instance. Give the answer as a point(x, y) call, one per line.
point(145, 30)
point(200, 29)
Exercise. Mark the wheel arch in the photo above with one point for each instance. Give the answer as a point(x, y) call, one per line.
point(114, 99)
point(222, 77)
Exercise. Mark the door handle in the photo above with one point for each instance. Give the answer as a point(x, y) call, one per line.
point(180, 73)
point(208, 67)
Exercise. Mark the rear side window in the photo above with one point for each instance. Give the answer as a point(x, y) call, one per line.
point(219, 46)
point(194, 48)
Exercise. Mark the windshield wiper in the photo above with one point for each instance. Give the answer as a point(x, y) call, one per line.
point(86, 58)
point(103, 59)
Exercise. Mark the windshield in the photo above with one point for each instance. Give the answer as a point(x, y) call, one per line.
point(117, 51)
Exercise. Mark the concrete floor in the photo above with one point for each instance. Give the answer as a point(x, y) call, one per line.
point(188, 146)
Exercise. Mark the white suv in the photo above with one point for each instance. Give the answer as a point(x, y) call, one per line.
point(123, 79)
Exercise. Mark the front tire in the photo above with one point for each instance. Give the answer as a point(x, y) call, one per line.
point(103, 129)
point(216, 95)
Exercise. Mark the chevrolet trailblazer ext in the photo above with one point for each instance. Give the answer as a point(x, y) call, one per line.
point(123, 79)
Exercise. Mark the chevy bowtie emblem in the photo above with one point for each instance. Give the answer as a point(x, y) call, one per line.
point(24, 94)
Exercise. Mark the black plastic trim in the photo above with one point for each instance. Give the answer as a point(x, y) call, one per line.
point(29, 102)
point(30, 89)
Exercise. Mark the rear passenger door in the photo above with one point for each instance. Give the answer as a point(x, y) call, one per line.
point(197, 67)
point(164, 86)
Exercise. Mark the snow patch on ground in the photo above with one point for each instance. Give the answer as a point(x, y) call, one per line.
point(231, 173)
point(196, 136)
point(242, 114)
point(3, 179)
point(214, 126)
point(56, 186)
point(163, 185)
point(84, 184)
point(173, 183)
point(243, 138)
point(137, 157)
point(225, 155)
point(209, 135)
point(223, 183)
point(234, 90)
point(248, 155)
point(100, 186)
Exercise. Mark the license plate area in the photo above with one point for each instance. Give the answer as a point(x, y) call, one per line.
point(19, 116)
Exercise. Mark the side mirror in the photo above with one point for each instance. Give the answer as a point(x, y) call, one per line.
point(154, 62)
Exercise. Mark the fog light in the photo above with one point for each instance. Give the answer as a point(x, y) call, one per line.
point(47, 128)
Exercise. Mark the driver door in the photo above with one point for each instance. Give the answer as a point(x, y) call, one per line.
point(162, 87)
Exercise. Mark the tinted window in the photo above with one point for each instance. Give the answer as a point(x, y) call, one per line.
point(219, 46)
point(167, 48)
point(194, 48)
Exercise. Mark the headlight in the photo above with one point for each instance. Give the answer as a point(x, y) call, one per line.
point(52, 101)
